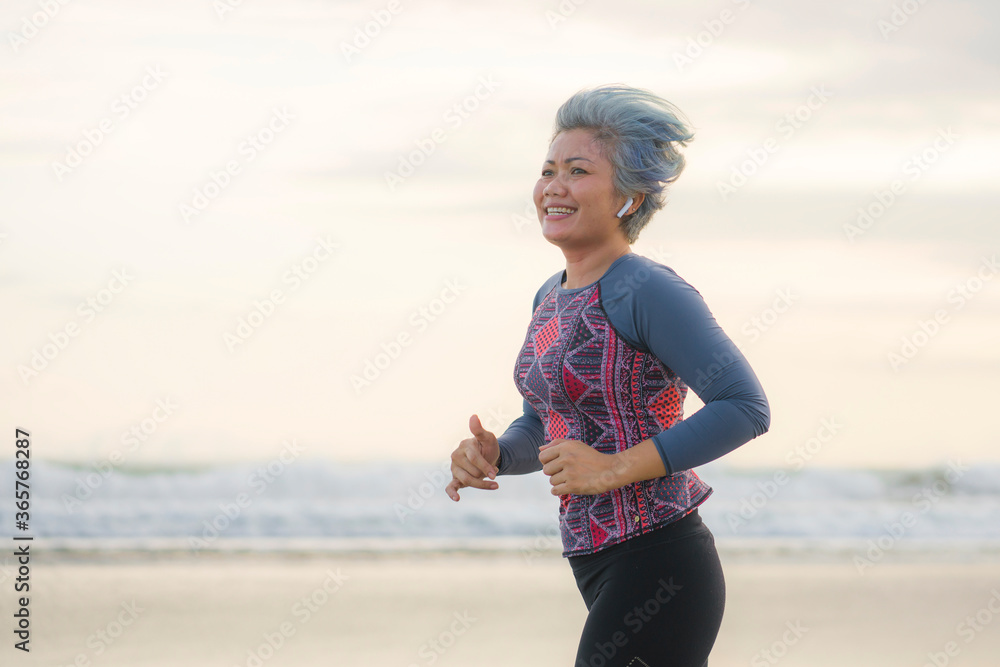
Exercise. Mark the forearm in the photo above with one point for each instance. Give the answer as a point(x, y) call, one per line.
point(723, 424)
point(519, 444)
point(716, 429)
point(637, 464)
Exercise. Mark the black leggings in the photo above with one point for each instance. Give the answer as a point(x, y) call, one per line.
point(655, 600)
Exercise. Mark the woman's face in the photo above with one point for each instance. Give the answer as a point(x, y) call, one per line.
point(575, 175)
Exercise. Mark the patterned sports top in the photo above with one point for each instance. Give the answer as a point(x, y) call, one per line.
point(610, 364)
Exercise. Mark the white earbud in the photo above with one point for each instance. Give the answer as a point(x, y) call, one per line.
point(625, 207)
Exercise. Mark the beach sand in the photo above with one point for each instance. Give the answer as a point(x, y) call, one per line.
point(475, 609)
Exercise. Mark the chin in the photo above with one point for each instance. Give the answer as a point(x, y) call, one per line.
point(556, 238)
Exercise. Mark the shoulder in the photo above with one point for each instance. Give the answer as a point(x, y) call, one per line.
point(641, 282)
point(546, 287)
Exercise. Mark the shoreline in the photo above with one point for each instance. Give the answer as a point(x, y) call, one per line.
point(416, 609)
point(742, 550)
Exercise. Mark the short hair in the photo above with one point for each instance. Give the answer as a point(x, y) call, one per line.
point(639, 134)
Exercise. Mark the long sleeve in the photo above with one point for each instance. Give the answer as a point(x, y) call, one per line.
point(520, 443)
point(672, 321)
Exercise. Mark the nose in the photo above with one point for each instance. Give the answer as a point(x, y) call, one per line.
point(553, 187)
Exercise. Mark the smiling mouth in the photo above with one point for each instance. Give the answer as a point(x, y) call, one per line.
point(558, 212)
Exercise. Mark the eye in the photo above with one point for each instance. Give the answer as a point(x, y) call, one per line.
point(548, 171)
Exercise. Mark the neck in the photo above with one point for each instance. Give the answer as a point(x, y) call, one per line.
point(586, 266)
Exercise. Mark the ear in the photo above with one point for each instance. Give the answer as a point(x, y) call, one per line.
point(637, 200)
point(637, 203)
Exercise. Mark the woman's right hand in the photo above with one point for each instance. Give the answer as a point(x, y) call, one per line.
point(473, 460)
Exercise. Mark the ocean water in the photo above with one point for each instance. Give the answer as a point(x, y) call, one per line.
point(322, 505)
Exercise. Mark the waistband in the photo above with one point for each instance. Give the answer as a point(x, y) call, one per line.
point(688, 525)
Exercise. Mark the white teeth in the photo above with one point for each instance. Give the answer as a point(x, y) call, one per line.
point(559, 210)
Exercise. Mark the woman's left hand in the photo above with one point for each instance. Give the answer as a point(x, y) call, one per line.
point(574, 466)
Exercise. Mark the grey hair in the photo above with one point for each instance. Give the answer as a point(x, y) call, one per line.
point(638, 133)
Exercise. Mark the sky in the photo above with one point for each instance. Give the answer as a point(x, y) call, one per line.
point(227, 225)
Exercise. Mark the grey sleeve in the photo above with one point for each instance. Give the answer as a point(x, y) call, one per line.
point(519, 444)
point(669, 317)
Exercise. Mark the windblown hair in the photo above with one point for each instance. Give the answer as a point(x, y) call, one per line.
point(639, 133)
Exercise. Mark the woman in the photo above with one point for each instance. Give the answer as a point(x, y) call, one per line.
point(614, 342)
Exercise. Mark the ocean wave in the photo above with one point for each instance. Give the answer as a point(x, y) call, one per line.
point(319, 499)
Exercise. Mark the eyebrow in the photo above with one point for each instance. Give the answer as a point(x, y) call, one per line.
point(570, 159)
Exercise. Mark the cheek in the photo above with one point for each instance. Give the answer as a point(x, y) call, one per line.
point(538, 196)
